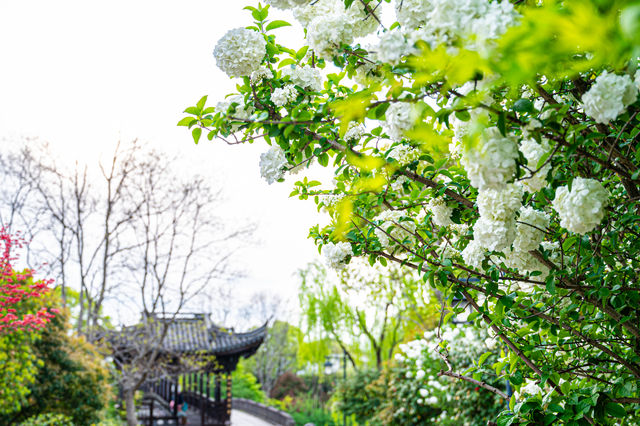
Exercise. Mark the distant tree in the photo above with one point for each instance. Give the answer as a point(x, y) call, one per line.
point(71, 378)
point(366, 311)
point(277, 355)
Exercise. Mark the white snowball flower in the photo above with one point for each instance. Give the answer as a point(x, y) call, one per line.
point(582, 208)
point(473, 255)
point(337, 255)
point(240, 52)
point(397, 185)
point(636, 79)
point(432, 400)
point(392, 46)
point(530, 229)
point(286, 4)
point(533, 152)
point(412, 13)
point(445, 21)
point(305, 77)
point(260, 74)
point(492, 162)
point(609, 96)
point(272, 164)
point(284, 95)
point(500, 204)
point(326, 33)
point(234, 107)
point(307, 13)
point(495, 235)
point(420, 374)
point(492, 23)
point(399, 118)
point(393, 227)
point(523, 262)
point(363, 23)
point(530, 388)
point(404, 154)
point(440, 212)
point(423, 392)
point(354, 131)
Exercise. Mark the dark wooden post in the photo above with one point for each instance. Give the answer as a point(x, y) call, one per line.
point(216, 393)
point(175, 398)
point(151, 413)
point(228, 395)
point(202, 401)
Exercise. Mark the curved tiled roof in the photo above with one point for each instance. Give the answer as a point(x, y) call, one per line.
point(191, 333)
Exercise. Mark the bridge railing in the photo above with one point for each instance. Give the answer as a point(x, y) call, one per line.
point(264, 412)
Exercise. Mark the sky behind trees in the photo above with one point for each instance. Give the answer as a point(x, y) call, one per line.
point(82, 75)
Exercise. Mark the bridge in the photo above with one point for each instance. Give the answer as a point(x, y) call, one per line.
point(156, 410)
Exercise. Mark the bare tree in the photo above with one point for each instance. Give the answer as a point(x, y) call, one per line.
point(132, 232)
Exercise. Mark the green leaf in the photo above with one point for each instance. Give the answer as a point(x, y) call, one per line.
point(551, 285)
point(447, 317)
point(463, 115)
point(272, 49)
point(300, 53)
point(501, 124)
point(616, 410)
point(277, 24)
point(483, 358)
point(196, 133)
point(201, 102)
point(187, 121)
point(523, 105)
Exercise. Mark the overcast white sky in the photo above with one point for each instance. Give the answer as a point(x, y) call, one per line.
point(82, 74)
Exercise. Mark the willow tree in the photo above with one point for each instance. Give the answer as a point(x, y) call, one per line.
point(490, 145)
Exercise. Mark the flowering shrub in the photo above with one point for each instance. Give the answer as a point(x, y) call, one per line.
point(443, 400)
point(498, 158)
point(16, 288)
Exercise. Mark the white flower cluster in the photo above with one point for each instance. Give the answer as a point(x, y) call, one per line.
point(284, 95)
point(286, 4)
point(329, 25)
point(496, 228)
point(440, 212)
point(260, 74)
point(582, 208)
point(240, 52)
point(530, 388)
point(397, 185)
point(337, 255)
point(445, 21)
point(495, 235)
point(533, 152)
point(272, 164)
point(392, 46)
point(399, 118)
point(354, 132)
point(500, 205)
point(491, 162)
point(609, 96)
point(474, 254)
point(331, 200)
point(530, 229)
point(234, 106)
point(404, 154)
point(393, 227)
point(306, 77)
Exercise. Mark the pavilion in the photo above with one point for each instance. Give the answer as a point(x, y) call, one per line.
point(193, 349)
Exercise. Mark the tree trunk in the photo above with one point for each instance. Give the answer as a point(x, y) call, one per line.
point(132, 419)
